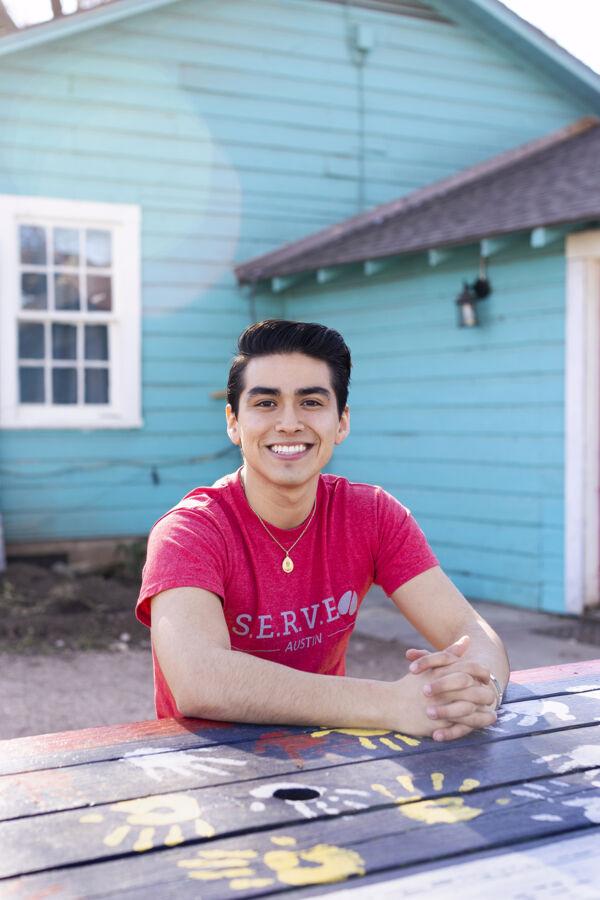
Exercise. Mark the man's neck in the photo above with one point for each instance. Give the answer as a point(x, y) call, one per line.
point(279, 505)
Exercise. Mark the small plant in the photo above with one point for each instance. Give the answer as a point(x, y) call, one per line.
point(129, 562)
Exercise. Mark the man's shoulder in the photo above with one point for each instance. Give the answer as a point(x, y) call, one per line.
point(339, 487)
point(203, 498)
point(204, 504)
point(361, 495)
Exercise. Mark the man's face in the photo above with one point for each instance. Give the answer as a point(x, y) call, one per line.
point(287, 423)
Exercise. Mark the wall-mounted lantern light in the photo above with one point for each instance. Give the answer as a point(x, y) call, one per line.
point(469, 297)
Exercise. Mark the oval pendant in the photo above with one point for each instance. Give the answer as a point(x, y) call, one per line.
point(287, 565)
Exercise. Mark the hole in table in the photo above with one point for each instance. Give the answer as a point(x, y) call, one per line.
point(296, 794)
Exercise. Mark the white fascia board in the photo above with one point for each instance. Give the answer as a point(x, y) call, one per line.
point(77, 23)
point(582, 421)
point(525, 40)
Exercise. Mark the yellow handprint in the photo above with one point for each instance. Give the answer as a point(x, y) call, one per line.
point(320, 864)
point(445, 810)
point(326, 864)
point(162, 810)
point(364, 736)
point(212, 865)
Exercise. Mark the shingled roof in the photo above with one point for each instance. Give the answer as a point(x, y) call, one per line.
point(554, 180)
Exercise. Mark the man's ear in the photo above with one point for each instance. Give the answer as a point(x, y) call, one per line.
point(232, 425)
point(344, 426)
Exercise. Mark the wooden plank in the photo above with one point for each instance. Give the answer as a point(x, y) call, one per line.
point(322, 850)
point(584, 669)
point(148, 769)
point(245, 796)
point(563, 867)
point(587, 680)
point(18, 755)
point(436, 257)
point(110, 741)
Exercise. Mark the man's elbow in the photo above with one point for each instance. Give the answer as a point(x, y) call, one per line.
point(197, 693)
point(199, 705)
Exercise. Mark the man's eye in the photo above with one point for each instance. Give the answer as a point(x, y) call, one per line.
point(266, 403)
point(312, 403)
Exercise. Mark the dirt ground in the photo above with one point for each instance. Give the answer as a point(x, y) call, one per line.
point(72, 654)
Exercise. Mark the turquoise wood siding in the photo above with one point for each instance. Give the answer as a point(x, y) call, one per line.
point(237, 126)
point(465, 426)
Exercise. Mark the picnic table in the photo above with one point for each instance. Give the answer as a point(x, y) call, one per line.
point(190, 808)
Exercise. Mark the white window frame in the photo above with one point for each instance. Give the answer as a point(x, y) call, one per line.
point(582, 421)
point(124, 320)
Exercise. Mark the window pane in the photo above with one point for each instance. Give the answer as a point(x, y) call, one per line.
point(96, 385)
point(98, 248)
point(31, 384)
point(99, 293)
point(64, 385)
point(64, 341)
point(34, 291)
point(32, 240)
point(66, 246)
point(31, 340)
point(66, 292)
point(96, 342)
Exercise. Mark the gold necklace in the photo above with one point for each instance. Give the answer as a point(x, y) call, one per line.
point(287, 565)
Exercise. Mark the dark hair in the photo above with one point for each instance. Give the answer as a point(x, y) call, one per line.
point(281, 336)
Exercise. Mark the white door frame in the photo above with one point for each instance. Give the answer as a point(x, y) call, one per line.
point(582, 420)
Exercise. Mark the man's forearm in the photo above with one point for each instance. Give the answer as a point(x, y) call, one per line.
point(485, 647)
point(234, 686)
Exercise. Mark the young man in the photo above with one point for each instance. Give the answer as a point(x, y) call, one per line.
point(252, 586)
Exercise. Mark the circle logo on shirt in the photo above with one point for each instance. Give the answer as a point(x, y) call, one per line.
point(348, 603)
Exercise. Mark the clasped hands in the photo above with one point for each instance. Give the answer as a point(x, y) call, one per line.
point(454, 695)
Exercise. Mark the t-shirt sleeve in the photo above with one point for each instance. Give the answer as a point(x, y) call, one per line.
point(185, 549)
point(402, 551)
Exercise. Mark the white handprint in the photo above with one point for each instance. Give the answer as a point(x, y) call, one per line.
point(307, 800)
point(529, 713)
point(163, 761)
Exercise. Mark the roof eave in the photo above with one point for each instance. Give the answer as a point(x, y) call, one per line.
point(246, 276)
point(77, 23)
point(518, 35)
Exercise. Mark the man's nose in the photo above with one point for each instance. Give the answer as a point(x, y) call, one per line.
point(289, 420)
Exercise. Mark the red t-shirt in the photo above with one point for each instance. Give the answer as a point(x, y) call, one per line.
point(212, 539)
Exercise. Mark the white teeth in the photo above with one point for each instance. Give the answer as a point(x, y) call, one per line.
point(288, 448)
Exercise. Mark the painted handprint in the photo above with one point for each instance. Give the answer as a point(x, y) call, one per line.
point(365, 737)
point(580, 757)
point(287, 864)
point(308, 800)
point(433, 811)
point(164, 761)
point(531, 712)
point(153, 821)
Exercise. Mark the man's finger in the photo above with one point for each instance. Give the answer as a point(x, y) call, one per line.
point(460, 646)
point(474, 722)
point(461, 708)
point(442, 657)
point(451, 733)
point(458, 681)
point(433, 661)
point(481, 718)
point(413, 653)
point(474, 669)
point(473, 691)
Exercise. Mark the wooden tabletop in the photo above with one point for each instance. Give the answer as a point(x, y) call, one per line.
point(186, 808)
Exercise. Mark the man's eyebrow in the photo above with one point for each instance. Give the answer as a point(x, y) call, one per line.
point(303, 392)
point(272, 392)
point(275, 392)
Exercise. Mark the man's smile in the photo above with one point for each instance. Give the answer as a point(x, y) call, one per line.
point(289, 451)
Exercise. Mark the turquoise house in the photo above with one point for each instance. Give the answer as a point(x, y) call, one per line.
point(171, 170)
